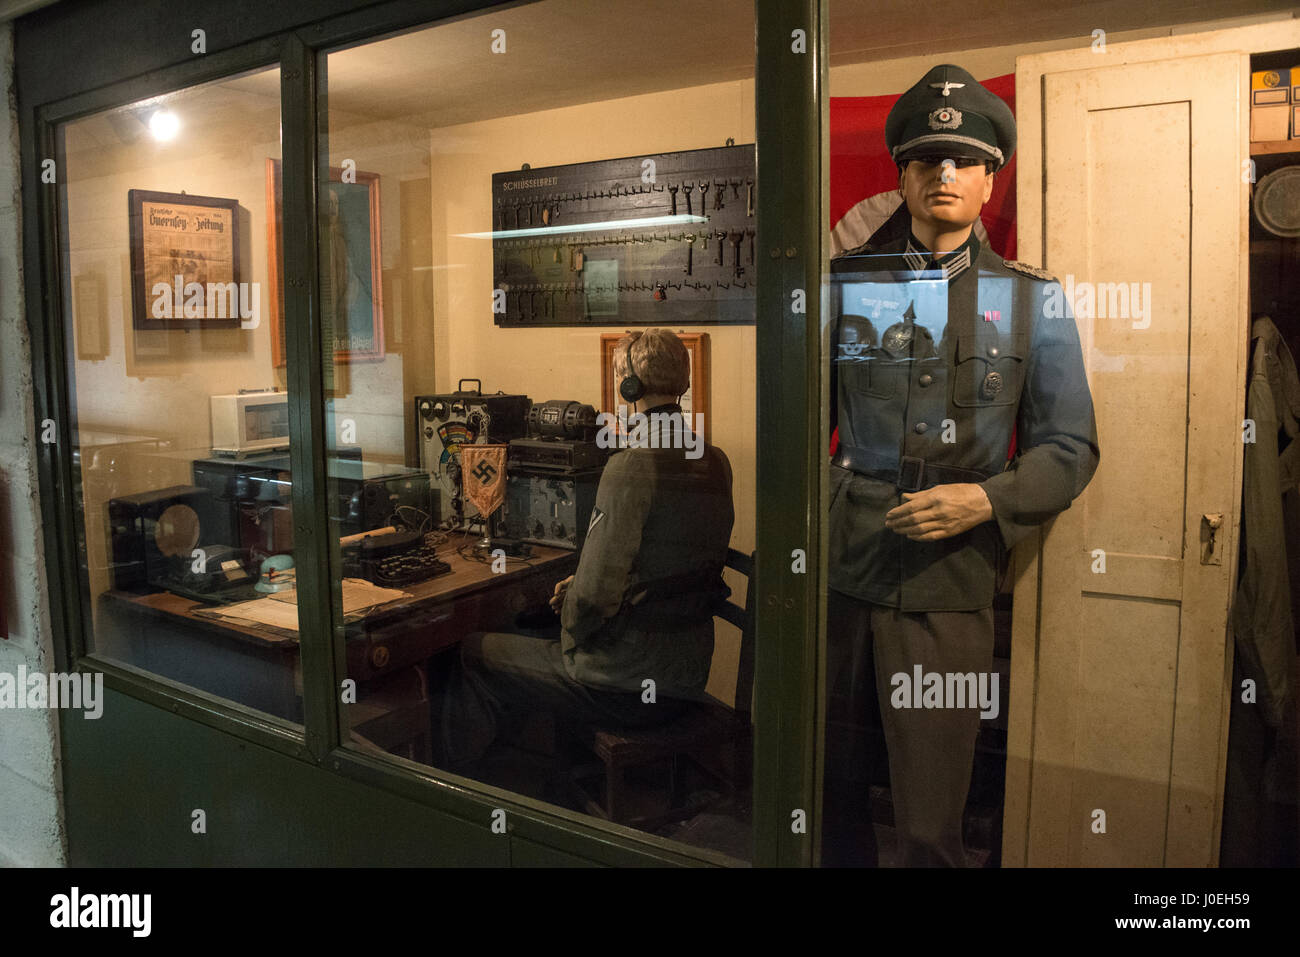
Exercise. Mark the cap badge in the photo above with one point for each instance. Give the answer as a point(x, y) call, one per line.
point(850, 344)
point(946, 85)
point(945, 118)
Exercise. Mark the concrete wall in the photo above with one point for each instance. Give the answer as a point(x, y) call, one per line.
point(31, 818)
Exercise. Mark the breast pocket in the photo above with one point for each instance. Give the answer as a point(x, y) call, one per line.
point(988, 372)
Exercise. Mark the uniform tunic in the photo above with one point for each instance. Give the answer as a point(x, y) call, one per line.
point(937, 364)
point(641, 603)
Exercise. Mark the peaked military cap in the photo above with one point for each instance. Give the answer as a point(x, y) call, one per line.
point(948, 111)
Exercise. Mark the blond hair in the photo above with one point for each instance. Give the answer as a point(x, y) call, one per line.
point(659, 360)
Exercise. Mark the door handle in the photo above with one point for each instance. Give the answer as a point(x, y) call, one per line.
point(1211, 522)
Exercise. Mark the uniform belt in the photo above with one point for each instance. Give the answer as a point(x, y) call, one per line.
point(910, 474)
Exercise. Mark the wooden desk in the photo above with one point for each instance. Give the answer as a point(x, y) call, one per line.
point(260, 667)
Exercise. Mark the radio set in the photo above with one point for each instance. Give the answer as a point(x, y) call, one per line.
point(553, 462)
point(547, 507)
point(551, 485)
point(361, 495)
point(158, 541)
point(561, 437)
point(464, 417)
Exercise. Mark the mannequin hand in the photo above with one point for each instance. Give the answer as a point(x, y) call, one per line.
point(940, 512)
point(561, 589)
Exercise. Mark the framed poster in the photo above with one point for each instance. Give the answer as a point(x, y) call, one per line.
point(184, 261)
point(352, 306)
point(696, 399)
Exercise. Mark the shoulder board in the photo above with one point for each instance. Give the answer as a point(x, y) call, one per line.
point(1029, 270)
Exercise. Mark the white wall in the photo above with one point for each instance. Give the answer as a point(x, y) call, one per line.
point(157, 384)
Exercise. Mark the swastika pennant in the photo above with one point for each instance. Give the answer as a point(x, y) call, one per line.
point(483, 471)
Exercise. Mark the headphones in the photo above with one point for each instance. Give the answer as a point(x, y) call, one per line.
point(631, 388)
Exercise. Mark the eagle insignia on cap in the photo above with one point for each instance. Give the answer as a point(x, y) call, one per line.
point(896, 339)
point(945, 118)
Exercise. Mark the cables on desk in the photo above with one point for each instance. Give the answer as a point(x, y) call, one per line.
point(467, 551)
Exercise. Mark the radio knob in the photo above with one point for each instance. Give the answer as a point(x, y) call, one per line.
point(428, 431)
point(426, 409)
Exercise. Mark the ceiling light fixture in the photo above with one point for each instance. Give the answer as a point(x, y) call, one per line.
point(164, 125)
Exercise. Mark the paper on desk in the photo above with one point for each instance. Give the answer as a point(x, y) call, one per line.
point(280, 610)
point(259, 611)
point(359, 596)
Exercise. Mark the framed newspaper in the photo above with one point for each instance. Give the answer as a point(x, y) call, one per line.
point(185, 263)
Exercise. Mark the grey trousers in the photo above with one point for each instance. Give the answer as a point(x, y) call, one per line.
point(931, 751)
point(500, 678)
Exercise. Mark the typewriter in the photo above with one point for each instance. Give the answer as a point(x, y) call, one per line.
point(394, 559)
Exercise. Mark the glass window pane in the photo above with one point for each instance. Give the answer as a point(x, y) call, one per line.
point(1010, 293)
point(502, 213)
point(179, 409)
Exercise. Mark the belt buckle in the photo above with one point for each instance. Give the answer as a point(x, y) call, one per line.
point(911, 473)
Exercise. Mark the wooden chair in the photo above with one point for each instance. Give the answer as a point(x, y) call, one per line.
point(709, 734)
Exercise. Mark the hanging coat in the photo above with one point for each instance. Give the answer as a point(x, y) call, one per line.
point(1261, 615)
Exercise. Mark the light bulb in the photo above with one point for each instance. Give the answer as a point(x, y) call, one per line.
point(164, 125)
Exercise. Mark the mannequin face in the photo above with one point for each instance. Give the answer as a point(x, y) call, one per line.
point(945, 206)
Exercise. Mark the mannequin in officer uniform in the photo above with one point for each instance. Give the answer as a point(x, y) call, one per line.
point(925, 505)
point(640, 605)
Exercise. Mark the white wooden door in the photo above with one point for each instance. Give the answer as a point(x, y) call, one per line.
point(1142, 185)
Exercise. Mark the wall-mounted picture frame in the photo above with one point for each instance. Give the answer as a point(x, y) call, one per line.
point(352, 300)
point(187, 244)
point(696, 399)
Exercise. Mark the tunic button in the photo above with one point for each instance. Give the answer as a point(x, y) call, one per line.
point(920, 428)
point(925, 379)
point(993, 351)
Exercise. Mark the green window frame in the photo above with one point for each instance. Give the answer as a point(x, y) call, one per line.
point(792, 435)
